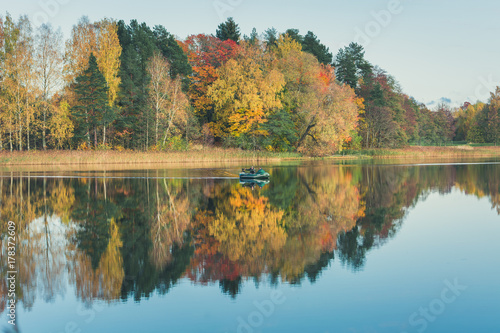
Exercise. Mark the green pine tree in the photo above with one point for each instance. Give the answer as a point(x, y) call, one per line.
point(312, 44)
point(350, 65)
point(91, 111)
point(228, 30)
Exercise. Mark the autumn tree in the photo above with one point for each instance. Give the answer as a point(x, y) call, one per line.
point(206, 54)
point(49, 69)
point(166, 98)
point(492, 117)
point(324, 113)
point(18, 81)
point(246, 91)
point(61, 126)
point(101, 39)
point(82, 43)
point(445, 124)
point(466, 117)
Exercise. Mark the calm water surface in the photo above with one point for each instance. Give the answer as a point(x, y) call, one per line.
point(321, 248)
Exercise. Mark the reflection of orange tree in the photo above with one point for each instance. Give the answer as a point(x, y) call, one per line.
point(328, 202)
point(246, 226)
point(248, 236)
point(208, 264)
point(238, 239)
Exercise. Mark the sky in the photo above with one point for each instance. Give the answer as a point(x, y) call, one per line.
point(438, 50)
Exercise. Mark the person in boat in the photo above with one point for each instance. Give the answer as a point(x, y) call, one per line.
point(251, 170)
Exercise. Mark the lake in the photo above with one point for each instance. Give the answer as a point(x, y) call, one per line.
point(322, 247)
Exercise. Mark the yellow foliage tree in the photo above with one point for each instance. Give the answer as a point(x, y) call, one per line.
point(166, 98)
point(324, 112)
point(101, 39)
point(82, 43)
point(108, 56)
point(61, 125)
point(247, 89)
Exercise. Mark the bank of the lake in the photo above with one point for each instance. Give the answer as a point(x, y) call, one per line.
point(219, 155)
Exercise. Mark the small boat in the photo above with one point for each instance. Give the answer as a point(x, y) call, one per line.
point(253, 174)
point(252, 183)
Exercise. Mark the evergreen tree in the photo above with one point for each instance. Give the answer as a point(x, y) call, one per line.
point(312, 44)
point(92, 109)
point(228, 30)
point(350, 65)
point(271, 37)
point(139, 44)
point(295, 35)
point(254, 37)
point(171, 50)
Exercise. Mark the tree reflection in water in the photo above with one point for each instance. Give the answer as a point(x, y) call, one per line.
point(118, 239)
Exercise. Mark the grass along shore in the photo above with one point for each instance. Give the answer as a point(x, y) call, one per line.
point(219, 155)
point(67, 157)
point(425, 152)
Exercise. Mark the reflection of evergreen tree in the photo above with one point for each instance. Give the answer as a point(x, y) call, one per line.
point(350, 253)
point(143, 283)
point(142, 277)
point(93, 212)
point(231, 287)
point(282, 190)
point(313, 271)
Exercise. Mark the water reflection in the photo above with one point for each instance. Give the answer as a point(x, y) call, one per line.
point(126, 239)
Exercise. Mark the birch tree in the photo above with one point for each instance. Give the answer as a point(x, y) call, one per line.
point(166, 98)
point(48, 69)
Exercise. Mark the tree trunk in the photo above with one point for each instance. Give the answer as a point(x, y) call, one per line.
point(95, 137)
point(43, 127)
point(147, 132)
point(10, 138)
point(309, 127)
point(88, 126)
point(367, 138)
point(27, 127)
point(20, 136)
point(157, 124)
point(104, 136)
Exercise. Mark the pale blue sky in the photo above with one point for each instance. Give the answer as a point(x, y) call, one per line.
point(435, 49)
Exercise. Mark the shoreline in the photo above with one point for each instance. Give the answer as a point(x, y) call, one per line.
point(223, 157)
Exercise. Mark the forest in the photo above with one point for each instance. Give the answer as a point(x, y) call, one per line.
point(113, 85)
